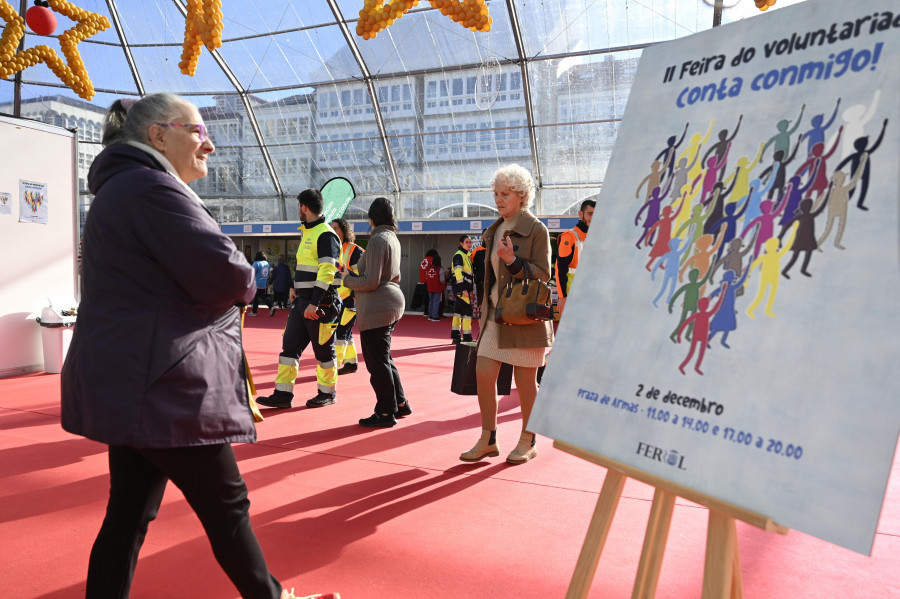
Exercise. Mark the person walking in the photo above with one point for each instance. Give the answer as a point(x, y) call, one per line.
point(315, 308)
point(517, 244)
point(281, 283)
point(381, 303)
point(156, 370)
point(261, 271)
point(344, 348)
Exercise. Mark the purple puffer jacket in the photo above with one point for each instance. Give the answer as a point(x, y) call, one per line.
point(156, 359)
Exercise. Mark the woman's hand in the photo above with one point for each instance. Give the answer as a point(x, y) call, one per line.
point(505, 250)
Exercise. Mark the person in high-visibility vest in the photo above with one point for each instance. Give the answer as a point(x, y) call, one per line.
point(569, 247)
point(315, 308)
point(344, 348)
point(463, 287)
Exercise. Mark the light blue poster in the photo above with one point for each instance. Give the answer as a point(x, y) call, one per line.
point(5, 203)
point(734, 324)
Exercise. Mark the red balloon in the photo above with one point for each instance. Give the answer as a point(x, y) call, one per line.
point(41, 20)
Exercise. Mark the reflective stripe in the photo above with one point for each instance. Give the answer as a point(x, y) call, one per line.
point(288, 361)
point(327, 365)
point(327, 259)
point(307, 268)
point(304, 284)
point(286, 387)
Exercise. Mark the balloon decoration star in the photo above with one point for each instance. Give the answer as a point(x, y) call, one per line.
point(72, 72)
point(202, 27)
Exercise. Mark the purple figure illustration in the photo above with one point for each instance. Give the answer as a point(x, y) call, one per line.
point(651, 206)
point(669, 262)
point(816, 133)
point(725, 319)
point(700, 321)
point(792, 203)
point(729, 222)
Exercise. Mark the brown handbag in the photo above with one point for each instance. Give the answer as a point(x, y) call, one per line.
point(524, 301)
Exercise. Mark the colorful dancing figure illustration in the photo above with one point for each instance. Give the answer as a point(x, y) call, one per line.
point(700, 337)
point(669, 262)
point(770, 269)
point(725, 319)
point(861, 145)
point(692, 292)
point(839, 202)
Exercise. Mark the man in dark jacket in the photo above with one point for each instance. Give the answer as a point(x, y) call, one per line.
point(281, 283)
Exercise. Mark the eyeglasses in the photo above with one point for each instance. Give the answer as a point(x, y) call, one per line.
point(202, 131)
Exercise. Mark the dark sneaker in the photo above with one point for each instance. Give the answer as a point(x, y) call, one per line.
point(272, 311)
point(403, 410)
point(320, 401)
point(379, 420)
point(276, 400)
point(467, 338)
point(348, 368)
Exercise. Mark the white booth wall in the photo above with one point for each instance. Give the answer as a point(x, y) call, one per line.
point(38, 260)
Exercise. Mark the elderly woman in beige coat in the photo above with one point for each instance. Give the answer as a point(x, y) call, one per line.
point(516, 242)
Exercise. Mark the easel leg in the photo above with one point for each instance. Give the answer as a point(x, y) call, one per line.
point(596, 535)
point(721, 572)
point(654, 545)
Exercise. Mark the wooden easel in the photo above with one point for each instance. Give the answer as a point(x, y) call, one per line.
point(722, 568)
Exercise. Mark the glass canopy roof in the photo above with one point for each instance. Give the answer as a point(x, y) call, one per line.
point(423, 114)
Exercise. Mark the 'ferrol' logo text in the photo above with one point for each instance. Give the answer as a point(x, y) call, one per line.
point(671, 457)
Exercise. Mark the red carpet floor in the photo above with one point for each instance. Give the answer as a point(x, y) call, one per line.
point(387, 512)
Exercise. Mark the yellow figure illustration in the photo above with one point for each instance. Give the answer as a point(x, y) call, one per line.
point(770, 270)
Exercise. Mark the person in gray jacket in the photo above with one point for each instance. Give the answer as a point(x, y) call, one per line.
point(380, 305)
point(155, 368)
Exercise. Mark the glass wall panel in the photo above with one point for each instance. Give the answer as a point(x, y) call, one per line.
point(291, 59)
point(158, 66)
point(566, 201)
point(428, 40)
point(576, 153)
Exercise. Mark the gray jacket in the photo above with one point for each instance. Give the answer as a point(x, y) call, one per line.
point(156, 359)
point(379, 300)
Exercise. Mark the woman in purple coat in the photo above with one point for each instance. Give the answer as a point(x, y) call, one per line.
point(155, 369)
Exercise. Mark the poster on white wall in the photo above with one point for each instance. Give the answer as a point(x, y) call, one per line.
point(5, 203)
point(33, 204)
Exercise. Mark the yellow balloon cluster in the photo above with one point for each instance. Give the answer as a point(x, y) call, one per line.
point(764, 5)
point(202, 27)
point(72, 72)
point(377, 15)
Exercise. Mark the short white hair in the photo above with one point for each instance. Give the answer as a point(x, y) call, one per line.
point(519, 179)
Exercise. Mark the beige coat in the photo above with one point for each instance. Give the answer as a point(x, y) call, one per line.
point(531, 242)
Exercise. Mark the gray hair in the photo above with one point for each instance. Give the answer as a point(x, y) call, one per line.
point(131, 121)
point(519, 179)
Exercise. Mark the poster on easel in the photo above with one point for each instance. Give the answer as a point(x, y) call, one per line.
point(733, 326)
point(33, 202)
point(5, 203)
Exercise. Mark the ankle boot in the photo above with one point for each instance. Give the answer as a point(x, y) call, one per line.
point(486, 447)
point(524, 450)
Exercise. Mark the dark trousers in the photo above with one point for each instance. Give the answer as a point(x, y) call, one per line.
point(301, 332)
point(261, 295)
point(281, 299)
point(383, 373)
point(208, 476)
